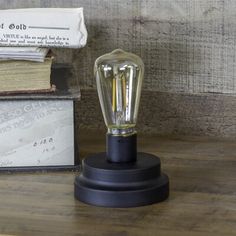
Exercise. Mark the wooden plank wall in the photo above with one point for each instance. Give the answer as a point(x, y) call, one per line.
point(171, 113)
point(188, 47)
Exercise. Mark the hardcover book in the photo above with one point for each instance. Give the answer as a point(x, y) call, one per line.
point(25, 76)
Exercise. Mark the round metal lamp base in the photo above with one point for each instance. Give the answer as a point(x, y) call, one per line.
point(108, 184)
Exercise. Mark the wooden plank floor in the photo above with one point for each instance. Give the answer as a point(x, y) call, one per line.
point(202, 199)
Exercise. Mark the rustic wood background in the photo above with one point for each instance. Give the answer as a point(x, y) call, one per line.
point(188, 47)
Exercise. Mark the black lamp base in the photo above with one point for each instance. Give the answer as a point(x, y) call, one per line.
point(131, 184)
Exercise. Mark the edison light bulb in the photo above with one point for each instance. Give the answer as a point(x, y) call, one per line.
point(121, 176)
point(119, 77)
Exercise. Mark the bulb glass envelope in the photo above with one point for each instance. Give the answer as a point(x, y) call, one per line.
point(119, 77)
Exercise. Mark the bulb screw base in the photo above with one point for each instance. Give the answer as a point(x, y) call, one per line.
point(121, 148)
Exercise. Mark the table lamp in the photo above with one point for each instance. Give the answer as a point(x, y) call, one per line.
point(121, 176)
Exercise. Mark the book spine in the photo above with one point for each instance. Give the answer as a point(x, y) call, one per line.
point(43, 27)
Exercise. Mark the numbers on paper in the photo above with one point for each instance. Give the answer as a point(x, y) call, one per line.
point(46, 145)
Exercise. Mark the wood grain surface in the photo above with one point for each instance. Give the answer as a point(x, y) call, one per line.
point(202, 199)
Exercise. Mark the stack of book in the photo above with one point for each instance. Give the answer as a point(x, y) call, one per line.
point(37, 128)
point(25, 60)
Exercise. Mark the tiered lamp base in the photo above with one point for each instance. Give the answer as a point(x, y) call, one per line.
point(107, 184)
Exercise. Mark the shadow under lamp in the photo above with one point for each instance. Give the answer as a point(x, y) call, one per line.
point(121, 177)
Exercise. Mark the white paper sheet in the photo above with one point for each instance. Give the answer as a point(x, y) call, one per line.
point(44, 27)
point(36, 133)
